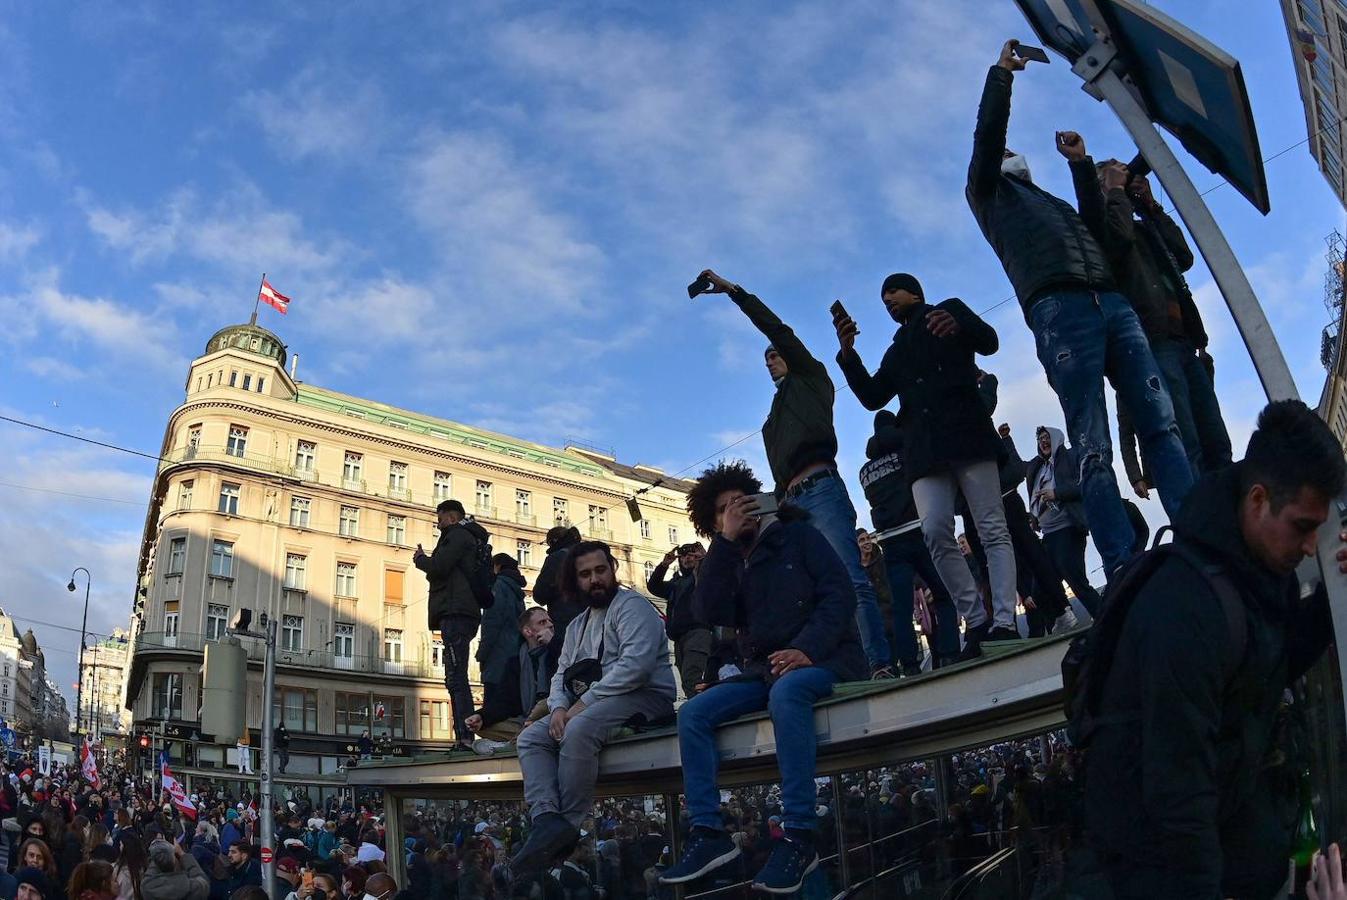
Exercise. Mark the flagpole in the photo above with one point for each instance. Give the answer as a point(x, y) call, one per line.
point(258, 300)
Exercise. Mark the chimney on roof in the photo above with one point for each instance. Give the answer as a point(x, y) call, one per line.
point(294, 365)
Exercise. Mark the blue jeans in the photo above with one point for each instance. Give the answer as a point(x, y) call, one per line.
point(1081, 337)
point(1196, 409)
point(905, 557)
point(831, 512)
point(790, 700)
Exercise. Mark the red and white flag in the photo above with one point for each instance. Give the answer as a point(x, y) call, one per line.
point(173, 788)
point(89, 765)
point(273, 298)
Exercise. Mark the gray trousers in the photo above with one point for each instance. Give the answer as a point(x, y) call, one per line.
point(559, 778)
point(981, 486)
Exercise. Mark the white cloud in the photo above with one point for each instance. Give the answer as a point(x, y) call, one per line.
point(17, 240)
point(319, 113)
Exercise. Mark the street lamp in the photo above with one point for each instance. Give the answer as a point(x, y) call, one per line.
point(79, 689)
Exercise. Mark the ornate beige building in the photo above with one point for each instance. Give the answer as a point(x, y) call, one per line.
point(306, 504)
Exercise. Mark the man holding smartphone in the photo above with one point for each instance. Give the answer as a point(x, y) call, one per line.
point(782, 586)
point(1083, 327)
point(949, 445)
point(692, 640)
point(801, 446)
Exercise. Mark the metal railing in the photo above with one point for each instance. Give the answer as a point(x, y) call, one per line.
point(316, 658)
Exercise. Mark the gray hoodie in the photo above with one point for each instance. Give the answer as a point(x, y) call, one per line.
point(635, 650)
point(1060, 472)
point(166, 879)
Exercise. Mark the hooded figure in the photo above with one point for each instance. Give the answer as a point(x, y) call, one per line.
point(1059, 473)
point(500, 639)
point(172, 877)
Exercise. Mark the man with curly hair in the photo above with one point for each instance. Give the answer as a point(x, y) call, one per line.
point(780, 583)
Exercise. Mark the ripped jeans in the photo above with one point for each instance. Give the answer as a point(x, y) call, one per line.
point(1083, 336)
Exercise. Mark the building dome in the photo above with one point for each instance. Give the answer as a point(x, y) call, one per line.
point(29, 642)
point(252, 338)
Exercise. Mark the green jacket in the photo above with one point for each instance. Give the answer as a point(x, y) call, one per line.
point(799, 428)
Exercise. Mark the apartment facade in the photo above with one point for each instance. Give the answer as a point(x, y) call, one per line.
point(306, 504)
point(102, 695)
point(1317, 30)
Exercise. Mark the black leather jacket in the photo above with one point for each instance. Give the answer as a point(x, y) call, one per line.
point(1041, 240)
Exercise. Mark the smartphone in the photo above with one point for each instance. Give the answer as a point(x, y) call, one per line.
point(700, 286)
point(1024, 51)
point(766, 504)
point(838, 310)
point(307, 876)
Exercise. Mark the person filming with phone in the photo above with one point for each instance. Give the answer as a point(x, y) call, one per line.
point(692, 640)
point(801, 446)
point(781, 584)
point(1083, 327)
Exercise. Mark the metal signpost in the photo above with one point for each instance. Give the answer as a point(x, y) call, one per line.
point(267, 838)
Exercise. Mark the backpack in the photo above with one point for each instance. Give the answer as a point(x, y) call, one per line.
point(1085, 666)
point(481, 573)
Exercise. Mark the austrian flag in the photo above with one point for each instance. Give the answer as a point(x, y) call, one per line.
point(272, 297)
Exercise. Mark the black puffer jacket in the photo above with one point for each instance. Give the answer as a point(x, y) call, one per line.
point(446, 571)
point(936, 382)
point(1178, 795)
point(1041, 240)
point(884, 478)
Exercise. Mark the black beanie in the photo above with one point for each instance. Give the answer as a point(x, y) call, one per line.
point(901, 281)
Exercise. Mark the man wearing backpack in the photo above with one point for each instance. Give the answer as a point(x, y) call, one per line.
point(453, 607)
point(1179, 696)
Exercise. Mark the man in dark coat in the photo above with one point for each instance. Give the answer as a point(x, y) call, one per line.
point(692, 639)
point(498, 648)
point(547, 590)
point(1052, 479)
point(452, 608)
point(782, 585)
point(1180, 777)
point(1083, 328)
point(949, 443)
point(521, 698)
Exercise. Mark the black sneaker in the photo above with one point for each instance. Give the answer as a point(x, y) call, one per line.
point(972, 641)
point(882, 673)
point(551, 834)
point(793, 857)
point(1003, 633)
point(708, 849)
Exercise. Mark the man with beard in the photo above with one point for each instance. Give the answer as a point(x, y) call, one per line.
point(614, 668)
point(781, 584)
point(1083, 327)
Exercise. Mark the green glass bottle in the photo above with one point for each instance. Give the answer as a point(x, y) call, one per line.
point(1305, 844)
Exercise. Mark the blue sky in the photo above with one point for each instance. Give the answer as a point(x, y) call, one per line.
point(489, 212)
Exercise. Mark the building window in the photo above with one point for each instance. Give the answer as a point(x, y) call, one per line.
point(346, 574)
point(193, 440)
point(393, 645)
point(645, 529)
point(349, 522)
point(649, 569)
point(436, 722)
point(177, 556)
point(523, 552)
point(234, 379)
point(297, 708)
point(166, 696)
point(306, 452)
point(222, 559)
point(296, 572)
point(484, 495)
point(352, 713)
point(561, 514)
point(393, 580)
point(292, 633)
point(523, 503)
point(247, 382)
point(598, 520)
point(394, 718)
point(217, 620)
point(299, 511)
point(351, 468)
point(442, 486)
point(185, 494)
point(343, 641)
point(171, 619)
point(673, 536)
point(436, 653)
point(238, 441)
point(397, 530)
point(229, 498)
point(260, 381)
point(397, 477)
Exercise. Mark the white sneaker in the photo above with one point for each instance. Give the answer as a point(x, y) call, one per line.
point(1065, 622)
point(485, 747)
